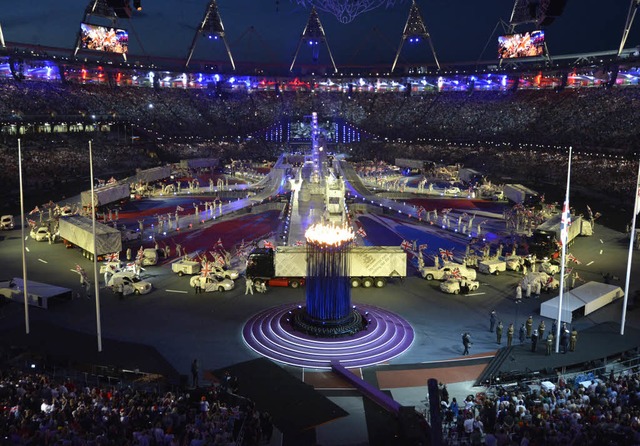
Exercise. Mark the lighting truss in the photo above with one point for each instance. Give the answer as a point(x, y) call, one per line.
point(313, 34)
point(347, 10)
point(211, 25)
point(415, 29)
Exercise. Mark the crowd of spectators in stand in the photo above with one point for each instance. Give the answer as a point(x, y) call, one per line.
point(586, 118)
point(605, 412)
point(38, 410)
point(594, 120)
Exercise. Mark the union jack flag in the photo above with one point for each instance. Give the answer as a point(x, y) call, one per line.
point(35, 209)
point(113, 257)
point(206, 270)
point(267, 244)
point(220, 260)
point(219, 244)
point(299, 242)
point(456, 274)
point(406, 245)
point(32, 223)
point(573, 259)
point(112, 180)
point(422, 247)
point(446, 254)
point(590, 212)
point(361, 232)
point(140, 254)
point(179, 209)
point(80, 270)
point(421, 210)
point(565, 222)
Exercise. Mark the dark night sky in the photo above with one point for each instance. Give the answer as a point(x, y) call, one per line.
point(459, 29)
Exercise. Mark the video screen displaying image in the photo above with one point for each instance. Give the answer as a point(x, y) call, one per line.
point(529, 44)
point(101, 38)
point(301, 131)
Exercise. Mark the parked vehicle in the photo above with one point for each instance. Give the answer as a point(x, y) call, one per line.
point(182, 267)
point(78, 231)
point(445, 272)
point(130, 283)
point(492, 266)
point(208, 284)
point(369, 266)
point(454, 286)
point(7, 222)
point(226, 273)
point(547, 282)
point(40, 234)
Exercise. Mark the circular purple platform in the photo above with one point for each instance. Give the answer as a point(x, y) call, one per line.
point(270, 334)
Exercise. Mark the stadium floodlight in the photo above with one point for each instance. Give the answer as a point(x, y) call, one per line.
point(347, 11)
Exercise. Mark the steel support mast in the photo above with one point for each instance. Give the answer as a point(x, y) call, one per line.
point(313, 34)
point(415, 28)
point(211, 26)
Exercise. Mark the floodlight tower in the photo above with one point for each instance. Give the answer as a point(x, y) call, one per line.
point(414, 30)
point(313, 34)
point(631, 15)
point(212, 28)
point(98, 8)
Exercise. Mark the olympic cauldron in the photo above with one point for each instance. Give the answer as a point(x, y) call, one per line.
point(328, 311)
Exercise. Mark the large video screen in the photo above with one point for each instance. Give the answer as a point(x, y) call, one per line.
point(529, 44)
point(101, 38)
point(301, 131)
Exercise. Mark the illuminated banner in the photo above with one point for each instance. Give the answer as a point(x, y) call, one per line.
point(101, 38)
point(529, 44)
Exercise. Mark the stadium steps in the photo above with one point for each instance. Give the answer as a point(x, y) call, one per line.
point(491, 370)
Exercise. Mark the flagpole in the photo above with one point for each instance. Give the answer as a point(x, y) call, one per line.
point(564, 223)
point(24, 248)
point(95, 256)
point(632, 234)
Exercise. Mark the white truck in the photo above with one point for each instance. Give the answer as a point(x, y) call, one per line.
point(78, 231)
point(518, 193)
point(554, 226)
point(189, 267)
point(369, 266)
point(492, 266)
point(105, 195)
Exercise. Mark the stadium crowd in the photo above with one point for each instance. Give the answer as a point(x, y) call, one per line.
point(589, 118)
point(601, 412)
point(38, 410)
